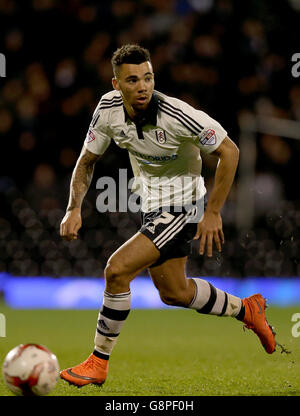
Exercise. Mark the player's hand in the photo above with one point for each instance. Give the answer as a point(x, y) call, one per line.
point(209, 231)
point(70, 224)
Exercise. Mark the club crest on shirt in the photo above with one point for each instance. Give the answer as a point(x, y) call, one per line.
point(208, 137)
point(161, 136)
point(90, 137)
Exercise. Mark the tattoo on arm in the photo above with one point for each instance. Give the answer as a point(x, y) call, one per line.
point(81, 178)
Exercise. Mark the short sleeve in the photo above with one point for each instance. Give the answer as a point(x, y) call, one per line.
point(97, 139)
point(211, 133)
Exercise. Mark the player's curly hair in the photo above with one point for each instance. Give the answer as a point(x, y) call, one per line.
point(129, 54)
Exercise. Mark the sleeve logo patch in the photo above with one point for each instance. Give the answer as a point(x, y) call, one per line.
point(90, 136)
point(208, 137)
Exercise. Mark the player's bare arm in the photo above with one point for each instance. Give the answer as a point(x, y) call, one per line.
point(80, 183)
point(210, 229)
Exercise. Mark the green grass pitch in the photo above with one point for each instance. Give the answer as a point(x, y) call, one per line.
point(172, 352)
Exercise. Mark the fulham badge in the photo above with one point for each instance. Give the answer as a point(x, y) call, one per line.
point(161, 136)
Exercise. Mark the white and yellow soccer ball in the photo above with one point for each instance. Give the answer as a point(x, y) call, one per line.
point(30, 370)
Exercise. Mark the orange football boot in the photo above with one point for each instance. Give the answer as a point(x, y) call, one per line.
point(93, 370)
point(255, 319)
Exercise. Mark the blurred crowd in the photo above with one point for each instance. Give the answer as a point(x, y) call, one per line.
point(225, 57)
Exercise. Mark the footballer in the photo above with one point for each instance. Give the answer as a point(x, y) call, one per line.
point(164, 137)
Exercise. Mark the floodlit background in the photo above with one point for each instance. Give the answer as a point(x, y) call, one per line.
point(228, 58)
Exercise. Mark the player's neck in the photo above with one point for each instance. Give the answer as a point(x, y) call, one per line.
point(132, 113)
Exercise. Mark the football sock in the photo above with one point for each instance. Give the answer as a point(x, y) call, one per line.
point(210, 300)
point(111, 318)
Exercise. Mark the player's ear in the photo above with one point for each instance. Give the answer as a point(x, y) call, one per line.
point(115, 84)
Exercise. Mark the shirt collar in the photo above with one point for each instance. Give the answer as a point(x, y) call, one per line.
point(150, 114)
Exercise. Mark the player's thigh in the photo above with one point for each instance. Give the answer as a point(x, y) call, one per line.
point(135, 255)
point(170, 280)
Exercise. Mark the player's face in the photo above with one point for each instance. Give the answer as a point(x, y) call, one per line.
point(136, 83)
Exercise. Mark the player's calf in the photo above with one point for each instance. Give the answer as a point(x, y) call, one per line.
point(180, 296)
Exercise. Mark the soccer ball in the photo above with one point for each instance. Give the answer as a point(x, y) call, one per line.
point(30, 370)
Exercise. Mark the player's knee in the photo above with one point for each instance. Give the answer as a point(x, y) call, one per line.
point(112, 272)
point(117, 280)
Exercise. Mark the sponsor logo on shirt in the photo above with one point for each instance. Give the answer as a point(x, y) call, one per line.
point(208, 137)
point(154, 158)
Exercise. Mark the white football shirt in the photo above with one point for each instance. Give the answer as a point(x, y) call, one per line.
point(164, 149)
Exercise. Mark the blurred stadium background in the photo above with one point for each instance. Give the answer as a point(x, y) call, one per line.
point(229, 58)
